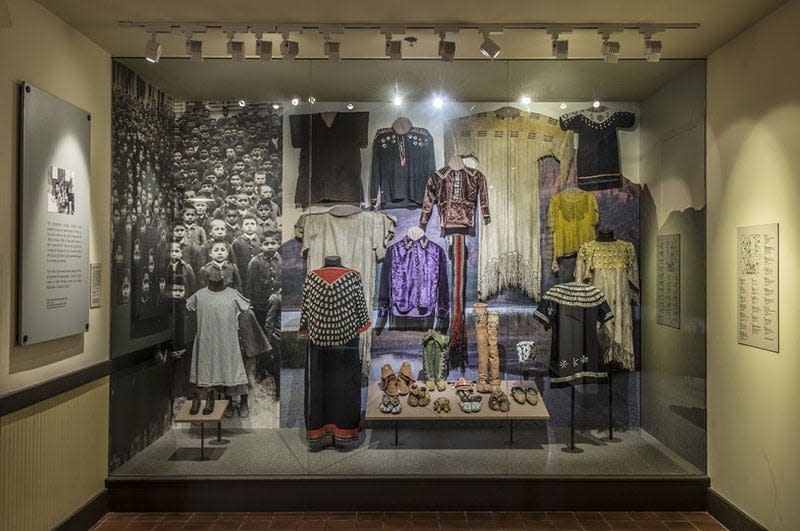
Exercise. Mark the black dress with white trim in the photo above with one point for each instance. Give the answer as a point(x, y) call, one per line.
point(573, 311)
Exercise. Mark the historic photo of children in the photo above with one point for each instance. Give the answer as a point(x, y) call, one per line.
point(60, 190)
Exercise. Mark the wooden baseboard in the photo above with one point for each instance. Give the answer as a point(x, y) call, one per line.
point(131, 494)
point(729, 515)
point(85, 517)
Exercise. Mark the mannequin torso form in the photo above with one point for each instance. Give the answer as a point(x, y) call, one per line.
point(402, 125)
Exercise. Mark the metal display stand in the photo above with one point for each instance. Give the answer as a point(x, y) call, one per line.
point(213, 417)
point(572, 449)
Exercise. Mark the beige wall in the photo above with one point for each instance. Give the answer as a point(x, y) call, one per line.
point(40, 48)
point(754, 177)
point(53, 457)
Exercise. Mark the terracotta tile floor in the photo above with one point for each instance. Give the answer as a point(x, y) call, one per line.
point(411, 520)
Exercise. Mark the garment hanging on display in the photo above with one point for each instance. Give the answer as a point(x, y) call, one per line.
point(457, 192)
point(613, 268)
point(434, 347)
point(413, 283)
point(333, 314)
point(509, 144)
point(573, 311)
point(598, 146)
point(358, 237)
point(459, 255)
point(330, 156)
point(334, 310)
point(217, 355)
point(402, 160)
point(571, 218)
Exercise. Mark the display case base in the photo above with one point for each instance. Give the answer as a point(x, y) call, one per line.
point(393, 493)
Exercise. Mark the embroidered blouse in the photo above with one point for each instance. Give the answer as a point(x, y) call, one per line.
point(401, 164)
point(573, 311)
point(457, 193)
point(333, 311)
point(414, 281)
point(571, 218)
point(598, 147)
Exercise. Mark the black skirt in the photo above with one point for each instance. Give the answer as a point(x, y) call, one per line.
point(333, 392)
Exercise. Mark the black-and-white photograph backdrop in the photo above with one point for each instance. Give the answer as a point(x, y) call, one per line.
point(197, 187)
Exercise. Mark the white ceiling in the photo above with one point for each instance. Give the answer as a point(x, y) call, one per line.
point(720, 21)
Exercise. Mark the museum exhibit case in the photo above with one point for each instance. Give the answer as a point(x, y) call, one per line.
point(410, 269)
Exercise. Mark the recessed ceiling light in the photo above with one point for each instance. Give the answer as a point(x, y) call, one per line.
point(350, 106)
point(596, 104)
point(398, 100)
point(276, 106)
point(563, 106)
point(295, 101)
point(312, 100)
point(242, 103)
point(438, 102)
point(525, 100)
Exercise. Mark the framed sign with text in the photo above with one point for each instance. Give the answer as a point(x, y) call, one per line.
point(54, 217)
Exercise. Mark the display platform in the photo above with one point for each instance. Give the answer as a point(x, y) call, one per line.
point(516, 411)
point(215, 417)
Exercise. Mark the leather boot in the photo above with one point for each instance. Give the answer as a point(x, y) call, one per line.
point(479, 311)
point(209, 409)
point(195, 409)
point(493, 322)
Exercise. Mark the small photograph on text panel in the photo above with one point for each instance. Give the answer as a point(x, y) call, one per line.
point(60, 190)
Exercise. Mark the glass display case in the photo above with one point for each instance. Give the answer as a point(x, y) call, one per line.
point(477, 268)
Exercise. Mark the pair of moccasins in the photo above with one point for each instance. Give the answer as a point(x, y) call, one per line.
point(418, 395)
point(390, 405)
point(529, 395)
point(441, 405)
point(396, 384)
point(470, 403)
point(498, 401)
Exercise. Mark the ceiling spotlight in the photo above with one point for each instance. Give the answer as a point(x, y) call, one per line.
point(525, 100)
point(563, 106)
point(263, 48)
point(152, 50)
point(235, 48)
point(276, 106)
point(312, 100)
point(350, 106)
point(489, 48)
point(447, 49)
point(652, 50)
point(242, 103)
point(438, 102)
point(332, 50)
point(560, 47)
point(394, 49)
point(610, 51)
point(194, 50)
point(596, 104)
point(289, 49)
point(295, 101)
point(398, 100)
